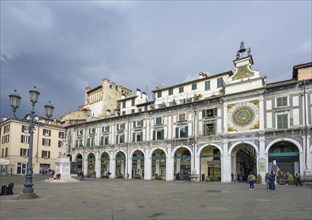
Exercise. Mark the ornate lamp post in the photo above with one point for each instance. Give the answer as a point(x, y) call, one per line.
point(28, 191)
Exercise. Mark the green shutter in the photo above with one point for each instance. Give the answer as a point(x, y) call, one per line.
point(186, 131)
point(177, 132)
point(154, 135)
point(133, 137)
point(204, 114)
point(162, 134)
point(215, 112)
point(207, 85)
point(133, 124)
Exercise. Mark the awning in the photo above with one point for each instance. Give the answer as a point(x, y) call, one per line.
point(4, 162)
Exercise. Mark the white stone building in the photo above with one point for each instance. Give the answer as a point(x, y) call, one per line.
point(212, 126)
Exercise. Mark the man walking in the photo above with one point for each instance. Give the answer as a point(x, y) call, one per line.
point(251, 179)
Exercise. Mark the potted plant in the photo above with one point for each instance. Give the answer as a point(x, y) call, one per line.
point(259, 178)
point(290, 179)
point(158, 177)
point(209, 179)
point(119, 176)
point(137, 176)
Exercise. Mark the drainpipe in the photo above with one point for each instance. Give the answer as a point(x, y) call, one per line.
point(305, 125)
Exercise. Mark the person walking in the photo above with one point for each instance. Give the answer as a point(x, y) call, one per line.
point(251, 179)
point(272, 181)
point(267, 180)
point(298, 179)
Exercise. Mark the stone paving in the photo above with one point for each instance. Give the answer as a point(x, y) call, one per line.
point(139, 199)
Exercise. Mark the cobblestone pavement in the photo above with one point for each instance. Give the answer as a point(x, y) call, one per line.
point(139, 199)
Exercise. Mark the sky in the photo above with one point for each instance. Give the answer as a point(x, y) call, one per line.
point(61, 47)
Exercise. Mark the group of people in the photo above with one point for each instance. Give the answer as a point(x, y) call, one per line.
point(237, 177)
point(270, 180)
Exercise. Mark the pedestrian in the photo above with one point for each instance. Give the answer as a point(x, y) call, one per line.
point(52, 173)
point(298, 179)
point(251, 179)
point(267, 180)
point(272, 181)
point(232, 177)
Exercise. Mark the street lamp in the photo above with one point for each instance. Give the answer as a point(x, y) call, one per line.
point(28, 191)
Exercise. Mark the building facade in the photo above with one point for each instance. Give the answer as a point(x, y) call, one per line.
point(49, 137)
point(231, 122)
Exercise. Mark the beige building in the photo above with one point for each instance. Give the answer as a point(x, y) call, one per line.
point(48, 141)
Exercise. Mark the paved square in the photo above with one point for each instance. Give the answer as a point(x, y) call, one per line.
point(139, 199)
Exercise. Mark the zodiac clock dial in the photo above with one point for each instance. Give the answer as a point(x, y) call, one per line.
point(243, 116)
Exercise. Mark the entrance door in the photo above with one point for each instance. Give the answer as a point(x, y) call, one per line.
point(185, 172)
point(21, 168)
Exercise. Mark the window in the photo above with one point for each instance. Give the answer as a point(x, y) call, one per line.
point(25, 139)
point(46, 132)
point(281, 101)
point(6, 129)
point(91, 130)
point(61, 135)
point(158, 121)
point(25, 128)
point(5, 139)
point(45, 154)
point(104, 140)
point(79, 142)
point(181, 89)
point(46, 142)
point(79, 132)
point(133, 102)
point(209, 129)
point(194, 86)
point(124, 104)
point(207, 85)
point(158, 135)
point(159, 94)
point(137, 136)
point(6, 151)
point(170, 91)
point(182, 117)
point(105, 129)
point(210, 113)
point(219, 82)
point(138, 124)
point(132, 111)
point(60, 143)
point(90, 141)
point(182, 132)
point(24, 152)
point(120, 138)
point(282, 121)
point(123, 113)
point(121, 127)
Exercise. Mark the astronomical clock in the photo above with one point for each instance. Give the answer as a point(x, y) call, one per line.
point(243, 116)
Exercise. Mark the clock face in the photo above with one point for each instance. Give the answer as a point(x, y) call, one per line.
point(243, 116)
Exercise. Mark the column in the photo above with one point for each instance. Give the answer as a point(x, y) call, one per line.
point(225, 164)
point(112, 165)
point(147, 168)
point(262, 159)
point(97, 165)
point(169, 166)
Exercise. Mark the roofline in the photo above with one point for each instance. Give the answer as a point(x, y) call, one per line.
point(193, 81)
point(300, 66)
point(96, 88)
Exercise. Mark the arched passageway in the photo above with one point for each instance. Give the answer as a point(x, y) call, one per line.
point(159, 163)
point(78, 166)
point(244, 161)
point(210, 163)
point(120, 164)
point(283, 158)
point(91, 164)
point(104, 163)
point(138, 164)
point(182, 164)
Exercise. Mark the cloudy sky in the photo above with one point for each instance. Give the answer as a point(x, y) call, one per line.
point(64, 46)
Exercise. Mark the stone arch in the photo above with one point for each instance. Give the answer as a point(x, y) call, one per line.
point(207, 145)
point(182, 146)
point(132, 152)
point(118, 152)
point(242, 142)
point(284, 139)
point(158, 148)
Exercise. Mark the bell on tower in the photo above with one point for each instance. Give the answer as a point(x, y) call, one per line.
point(242, 48)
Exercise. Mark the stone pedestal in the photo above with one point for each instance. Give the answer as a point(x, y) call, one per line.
point(63, 168)
point(194, 176)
